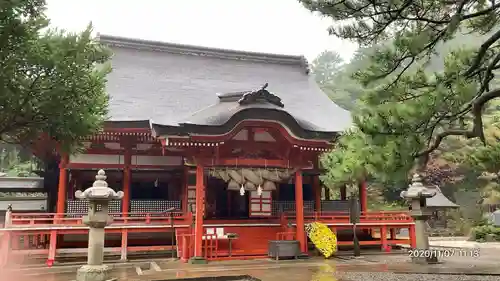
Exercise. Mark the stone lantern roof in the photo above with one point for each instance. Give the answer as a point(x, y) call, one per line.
point(432, 194)
point(99, 190)
point(417, 190)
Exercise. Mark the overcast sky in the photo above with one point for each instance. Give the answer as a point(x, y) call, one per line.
point(272, 26)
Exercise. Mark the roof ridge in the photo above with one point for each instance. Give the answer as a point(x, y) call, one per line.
point(203, 51)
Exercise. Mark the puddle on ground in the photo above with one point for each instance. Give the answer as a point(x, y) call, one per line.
point(218, 278)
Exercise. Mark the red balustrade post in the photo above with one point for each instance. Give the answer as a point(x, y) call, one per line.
point(52, 248)
point(185, 248)
point(383, 238)
point(124, 244)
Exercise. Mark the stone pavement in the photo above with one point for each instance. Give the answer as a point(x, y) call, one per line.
point(464, 244)
point(373, 267)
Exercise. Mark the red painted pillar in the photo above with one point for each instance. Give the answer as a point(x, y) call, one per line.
point(5, 241)
point(62, 191)
point(198, 229)
point(299, 207)
point(343, 192)
point(317, 193)
point(363, 197)
point(127, 175)
point(62, 186)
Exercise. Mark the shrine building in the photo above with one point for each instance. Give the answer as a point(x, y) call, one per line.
point(217, 153)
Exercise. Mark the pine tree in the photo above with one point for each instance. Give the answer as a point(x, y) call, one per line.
point(51, 82)
point(412, 101)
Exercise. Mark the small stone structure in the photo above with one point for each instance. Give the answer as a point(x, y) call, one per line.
point(417, 195)
point(495, 218)
point(98, 196)
point(438, 205)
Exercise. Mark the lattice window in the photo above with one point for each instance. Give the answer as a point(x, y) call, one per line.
point(335, 206)
point(152, 206)
point(82, 207)
point(191, 189)
point(289, 206)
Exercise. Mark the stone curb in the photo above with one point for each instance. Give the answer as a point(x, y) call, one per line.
point(68, 266)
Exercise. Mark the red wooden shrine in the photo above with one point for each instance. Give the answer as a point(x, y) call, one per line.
point(243, 162)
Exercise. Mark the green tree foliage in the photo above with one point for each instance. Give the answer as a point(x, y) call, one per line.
point(16, 161)
point(334, 77)
point(326, 66)
point(51, 81)
point(411, 102)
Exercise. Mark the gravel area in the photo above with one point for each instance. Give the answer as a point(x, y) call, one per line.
point(387, 276)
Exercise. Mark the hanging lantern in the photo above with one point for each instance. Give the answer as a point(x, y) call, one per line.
point(156, 182)
point(242, 190)
point(259, 190)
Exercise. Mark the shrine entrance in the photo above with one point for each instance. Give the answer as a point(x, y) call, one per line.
point(222, 203)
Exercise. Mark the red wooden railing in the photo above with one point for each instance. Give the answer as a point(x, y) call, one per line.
point(365, 217)
point(76, 219)
point(164, 218)
point(37, 232)
point(210, 246)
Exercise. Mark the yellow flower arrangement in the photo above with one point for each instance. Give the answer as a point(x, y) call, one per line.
point(323, 238)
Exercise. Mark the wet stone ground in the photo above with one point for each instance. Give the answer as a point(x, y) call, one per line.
point(384, 267)
point(389, 276)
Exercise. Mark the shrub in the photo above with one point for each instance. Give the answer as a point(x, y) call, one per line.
point(485, 233)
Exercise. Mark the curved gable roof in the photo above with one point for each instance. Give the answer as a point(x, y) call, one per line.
point(167, 83)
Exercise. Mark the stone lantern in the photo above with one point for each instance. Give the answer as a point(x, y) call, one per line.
point(98, 196)
point(417, 195)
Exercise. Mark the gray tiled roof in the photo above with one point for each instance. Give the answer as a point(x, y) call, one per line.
point(439, 200)
point(221, 112)
point(20, 183)
point(167, 83)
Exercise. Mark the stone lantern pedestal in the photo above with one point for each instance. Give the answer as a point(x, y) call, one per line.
point(417, 195)
point(97, 219)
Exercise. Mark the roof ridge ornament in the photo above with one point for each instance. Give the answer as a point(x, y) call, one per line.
point(261, 95)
